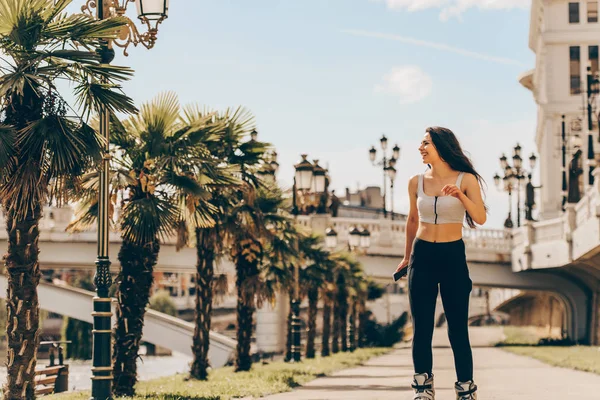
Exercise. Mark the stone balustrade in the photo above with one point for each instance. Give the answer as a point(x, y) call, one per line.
point(387, 236)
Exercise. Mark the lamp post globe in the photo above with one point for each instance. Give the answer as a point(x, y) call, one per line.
point(396, 152)
point(152, 10)
point(304, 174)
point(331, 238)
point(372, 153)
point(384, 142)
point(318, 178)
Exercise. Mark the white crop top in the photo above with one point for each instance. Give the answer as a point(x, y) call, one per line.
point(440, 209)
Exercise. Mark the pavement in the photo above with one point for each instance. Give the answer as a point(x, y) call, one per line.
point(499, 375)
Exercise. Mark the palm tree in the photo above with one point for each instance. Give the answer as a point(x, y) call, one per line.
point(258, 217)
point(241, 157)
point(44, 145)
point(346, 267)
point(158, 158)
point(313, 280)
point(357, 290)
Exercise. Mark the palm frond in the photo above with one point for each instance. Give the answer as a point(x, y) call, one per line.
point(83, 29)
point(145, 219)
point(7, 146)
point(91, 96)
point(64, 147)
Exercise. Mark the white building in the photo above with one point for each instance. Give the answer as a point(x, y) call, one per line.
point(565, 36)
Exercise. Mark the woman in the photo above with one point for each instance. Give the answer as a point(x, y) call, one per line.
point(440, 199)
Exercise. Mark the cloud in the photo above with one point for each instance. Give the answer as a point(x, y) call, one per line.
point(454, 8)
point(434, 45)
point(409, 83)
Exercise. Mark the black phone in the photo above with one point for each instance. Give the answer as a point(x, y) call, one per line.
point(399, 274)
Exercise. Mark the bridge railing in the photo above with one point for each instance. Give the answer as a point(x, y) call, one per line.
point(387, 236)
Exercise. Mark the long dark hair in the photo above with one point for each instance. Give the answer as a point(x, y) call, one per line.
point(449, 149)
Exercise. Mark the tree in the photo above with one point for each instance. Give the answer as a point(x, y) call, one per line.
point(313, 279)
point(239, 159)
point(156, 161)
point(161, 301)
point(42, 148)
point(258, 217)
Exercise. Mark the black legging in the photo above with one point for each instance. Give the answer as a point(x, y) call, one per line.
point(444, 264)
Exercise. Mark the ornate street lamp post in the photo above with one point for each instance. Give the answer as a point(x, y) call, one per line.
point(513, 176)
point(384, 163)
point(151, 13)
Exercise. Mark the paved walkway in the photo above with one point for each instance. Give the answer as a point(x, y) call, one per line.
point(499, 375)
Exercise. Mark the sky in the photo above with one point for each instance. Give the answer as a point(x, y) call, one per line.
point(329, 77)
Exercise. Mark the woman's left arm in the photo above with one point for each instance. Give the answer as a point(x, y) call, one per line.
point(472, 200)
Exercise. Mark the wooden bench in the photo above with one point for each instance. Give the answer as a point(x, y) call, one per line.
point(53, 378)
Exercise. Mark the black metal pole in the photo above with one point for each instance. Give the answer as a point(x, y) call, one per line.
point(384, 186)
point(392, 193)
point(519, 200)
point(510, 207)
point(564, 162)
point(101, 358)
point(590, 155)
point(296, 321)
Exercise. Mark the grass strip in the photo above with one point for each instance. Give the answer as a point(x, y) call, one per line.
point(225, 384)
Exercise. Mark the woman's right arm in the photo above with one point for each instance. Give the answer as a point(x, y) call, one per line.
point(412, 221)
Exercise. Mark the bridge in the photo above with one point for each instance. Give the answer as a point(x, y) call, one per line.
point(159, 329)
point(568, 245)
point(497, 258)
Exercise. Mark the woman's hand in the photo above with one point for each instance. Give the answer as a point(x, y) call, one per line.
point(403, 264)
point(452, 190)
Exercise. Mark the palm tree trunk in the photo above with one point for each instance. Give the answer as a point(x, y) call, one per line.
point(133, 292)
point(288, 339)
point(313, 299)
point(205, 250)
point(335, 339)
point(342, 312)
point(22, 322)
point(353, 334)
point(245, 312)
point(344, 324)
point(362, 323)
point(326, 326)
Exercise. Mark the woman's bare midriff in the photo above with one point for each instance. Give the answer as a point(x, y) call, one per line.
point(439, 232)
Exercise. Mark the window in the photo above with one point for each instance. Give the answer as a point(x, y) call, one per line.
point(592, 11)
point(575, 69)
point(573, 13)
point(593, 57)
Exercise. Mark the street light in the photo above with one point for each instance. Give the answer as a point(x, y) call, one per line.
point(269, 169)
point(151, 13)
point(385, 163)
point(513, 175)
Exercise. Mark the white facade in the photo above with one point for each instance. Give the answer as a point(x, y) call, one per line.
point(555, 36)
